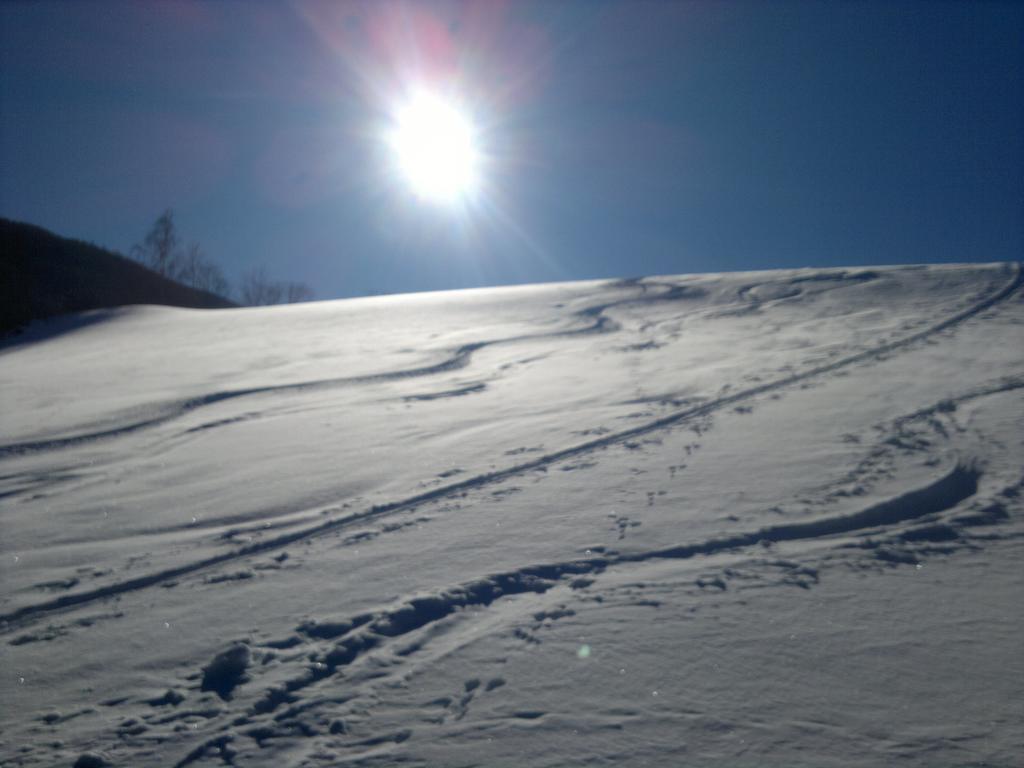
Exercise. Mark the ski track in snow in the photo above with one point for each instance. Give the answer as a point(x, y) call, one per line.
point(600, 323)
point(319, 651)
point(360, 634)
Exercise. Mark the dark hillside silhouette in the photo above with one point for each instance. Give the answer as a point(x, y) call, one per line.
point(44, 275)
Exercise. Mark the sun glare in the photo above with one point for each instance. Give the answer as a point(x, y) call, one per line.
point(434, 145)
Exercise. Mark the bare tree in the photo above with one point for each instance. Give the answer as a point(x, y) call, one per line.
point(159, 251)
point(212, 279)
point(199, 272)
point(190, 264)
point(295, 293)
point(256, 289)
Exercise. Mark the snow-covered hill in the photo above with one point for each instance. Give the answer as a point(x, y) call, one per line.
point(760, 519)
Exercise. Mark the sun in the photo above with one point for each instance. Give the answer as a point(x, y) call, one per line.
point(434, 146)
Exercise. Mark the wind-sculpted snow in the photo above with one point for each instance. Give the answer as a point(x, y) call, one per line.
point(646, 521)
point(456, 360)
point(516, 469)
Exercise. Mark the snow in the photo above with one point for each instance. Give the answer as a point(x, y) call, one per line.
point(765, 518)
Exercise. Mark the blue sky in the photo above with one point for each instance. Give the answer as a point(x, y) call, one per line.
point(622, 138)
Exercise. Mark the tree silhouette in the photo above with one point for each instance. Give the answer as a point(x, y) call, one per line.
point(159, 251)
point(257, 289)
point(297, 292)
point(199, 272)
point(162, 253)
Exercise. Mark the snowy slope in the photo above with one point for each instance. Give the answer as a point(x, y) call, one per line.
point(764, 518)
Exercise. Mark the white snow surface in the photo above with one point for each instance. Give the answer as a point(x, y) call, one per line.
point(754, 519)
